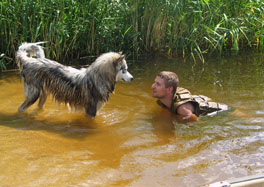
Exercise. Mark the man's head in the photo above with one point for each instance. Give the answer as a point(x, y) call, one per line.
point(165, 84)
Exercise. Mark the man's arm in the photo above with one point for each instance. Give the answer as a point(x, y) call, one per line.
point(186, 112)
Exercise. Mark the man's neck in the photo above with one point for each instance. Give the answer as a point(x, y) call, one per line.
point(167, 101)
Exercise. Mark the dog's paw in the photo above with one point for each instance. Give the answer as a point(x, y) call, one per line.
point(90, 111)
point(21, 109)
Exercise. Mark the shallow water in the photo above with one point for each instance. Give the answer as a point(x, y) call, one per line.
point(132, 141)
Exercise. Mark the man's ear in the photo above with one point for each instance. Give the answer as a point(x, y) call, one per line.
point(170, 89)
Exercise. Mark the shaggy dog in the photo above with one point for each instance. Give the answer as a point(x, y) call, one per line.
point(86, 88)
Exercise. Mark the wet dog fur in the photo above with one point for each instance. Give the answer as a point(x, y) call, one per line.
point(86, 88)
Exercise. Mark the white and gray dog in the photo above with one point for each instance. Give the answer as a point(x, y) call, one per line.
point(86, 88)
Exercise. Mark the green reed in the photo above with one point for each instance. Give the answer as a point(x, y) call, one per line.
point(2, 62)
point(197, 27)
point(81, 29)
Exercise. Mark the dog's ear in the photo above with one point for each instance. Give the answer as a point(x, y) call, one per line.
point(118, 60)
point(121, 57)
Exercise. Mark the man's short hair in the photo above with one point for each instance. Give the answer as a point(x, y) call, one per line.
point(170, 78)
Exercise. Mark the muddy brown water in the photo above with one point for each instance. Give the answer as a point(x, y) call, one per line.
point(132, 141)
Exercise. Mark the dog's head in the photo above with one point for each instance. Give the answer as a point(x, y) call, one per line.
point(121, 67)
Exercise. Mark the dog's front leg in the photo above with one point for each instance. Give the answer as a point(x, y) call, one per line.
point(32, 94)
point(91, 109)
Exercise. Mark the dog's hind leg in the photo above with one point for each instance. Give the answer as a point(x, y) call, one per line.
point(42, 99)
point(32, 94)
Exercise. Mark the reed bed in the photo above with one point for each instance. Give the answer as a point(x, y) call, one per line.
point(81, 29)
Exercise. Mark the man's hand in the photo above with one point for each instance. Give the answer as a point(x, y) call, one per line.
point(186, 112)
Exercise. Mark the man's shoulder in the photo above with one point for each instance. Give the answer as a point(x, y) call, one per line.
point(181, 97)
point(182, 94)
point(180, 90)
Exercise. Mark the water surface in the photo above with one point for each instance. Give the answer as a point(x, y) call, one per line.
point(134, 142)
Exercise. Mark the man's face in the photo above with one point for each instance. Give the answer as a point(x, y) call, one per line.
point(159, 89)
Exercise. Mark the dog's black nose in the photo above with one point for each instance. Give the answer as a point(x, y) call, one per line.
point(132, 78)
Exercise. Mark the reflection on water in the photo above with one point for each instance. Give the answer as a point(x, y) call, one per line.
point(134, 142)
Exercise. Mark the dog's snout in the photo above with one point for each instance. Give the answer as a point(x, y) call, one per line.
point(132, 78)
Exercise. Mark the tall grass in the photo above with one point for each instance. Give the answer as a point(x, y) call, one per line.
point(79, 29)
point(196, 27)
point(2, 62)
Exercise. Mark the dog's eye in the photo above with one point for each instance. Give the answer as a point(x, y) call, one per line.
point(123, 69)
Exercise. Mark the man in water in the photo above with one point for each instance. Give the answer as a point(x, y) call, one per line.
point(180, 101)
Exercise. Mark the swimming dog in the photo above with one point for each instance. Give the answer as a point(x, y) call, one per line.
point(86, 88)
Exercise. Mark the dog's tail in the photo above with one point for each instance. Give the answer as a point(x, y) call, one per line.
point(28, 50)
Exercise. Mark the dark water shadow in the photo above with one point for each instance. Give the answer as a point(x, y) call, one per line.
point(76, 126)
point(168, 126)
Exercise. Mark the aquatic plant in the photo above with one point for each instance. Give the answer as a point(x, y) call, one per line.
point(82, 29)
point(2, 62)
point(200, 26)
